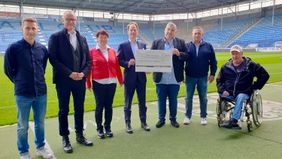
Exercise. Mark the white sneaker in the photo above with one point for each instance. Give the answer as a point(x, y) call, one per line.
point(44, 153)
point(204, 121)
point(26, 156)
point(186, 121)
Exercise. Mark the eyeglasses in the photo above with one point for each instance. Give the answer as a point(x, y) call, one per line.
point(70, 19)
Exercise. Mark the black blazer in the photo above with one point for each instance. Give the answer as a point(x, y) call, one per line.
point(61, 57)
point(124, 55)
point(178, 61)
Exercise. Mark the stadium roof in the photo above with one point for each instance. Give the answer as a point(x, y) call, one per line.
point(130, 6)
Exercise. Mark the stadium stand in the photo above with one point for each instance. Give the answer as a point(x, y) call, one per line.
point(246, 30)
point(264, 34)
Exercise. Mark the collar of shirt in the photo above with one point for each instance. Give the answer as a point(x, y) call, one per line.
point(132, 41)
point(199, 43)
point(72, 33)
point(73, 39)
point(27, 44)
point(134, 46)
point(104, 52)
point(241, 67)
point(98, 48)
point(169, 41)
point(168, 44)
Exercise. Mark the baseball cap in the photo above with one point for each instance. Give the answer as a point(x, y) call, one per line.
point(236, 48)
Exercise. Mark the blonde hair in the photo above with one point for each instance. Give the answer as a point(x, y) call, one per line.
point(29, 19)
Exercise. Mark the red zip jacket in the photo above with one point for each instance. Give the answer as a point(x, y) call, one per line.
point(101, 68)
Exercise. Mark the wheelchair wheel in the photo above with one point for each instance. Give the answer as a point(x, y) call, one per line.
point(249, 126)
point(257, 109)
point(219, 112)
point(222, 114)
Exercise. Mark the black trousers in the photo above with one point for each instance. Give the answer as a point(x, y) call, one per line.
point(104, 96)
point(141, 95)
point(64, 90)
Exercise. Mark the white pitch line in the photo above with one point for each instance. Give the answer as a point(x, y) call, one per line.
point(275, 85)
point(49, 101)
point(47, 146)
point(194, 114)
point(5, 126)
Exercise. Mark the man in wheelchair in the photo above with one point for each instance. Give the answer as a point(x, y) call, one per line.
point(235, 81)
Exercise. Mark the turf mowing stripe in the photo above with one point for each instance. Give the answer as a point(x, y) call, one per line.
point(47, 146)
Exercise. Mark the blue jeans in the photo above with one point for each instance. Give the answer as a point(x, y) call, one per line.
point(239, 100)
point(202, 85)
point(38, 105)
point(170, 91)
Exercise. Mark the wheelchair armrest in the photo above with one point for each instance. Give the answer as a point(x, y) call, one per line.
point(226, 98)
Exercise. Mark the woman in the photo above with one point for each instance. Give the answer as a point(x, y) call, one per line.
point(104, 71)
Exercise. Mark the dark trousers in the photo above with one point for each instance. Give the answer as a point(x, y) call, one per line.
point(169, 91)
point(104, 96)
point(64, 90)
point(141, 94)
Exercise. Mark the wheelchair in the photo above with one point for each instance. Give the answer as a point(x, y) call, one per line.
point(251, 112)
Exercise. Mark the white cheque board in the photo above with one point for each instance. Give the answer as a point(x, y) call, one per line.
point(153, 61)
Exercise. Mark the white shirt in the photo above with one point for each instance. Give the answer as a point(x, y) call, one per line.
point(105, 80)
point(104, 52)
point(134, 46)
point(73, 39)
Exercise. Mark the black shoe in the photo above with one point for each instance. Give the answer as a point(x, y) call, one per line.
point(66, 145)
point(174, 124)
point(82, 140)
point(145, 126)
point(129, 129)
point(232, 124)
point(160, 124)
point(101, 134)
point(109, 133)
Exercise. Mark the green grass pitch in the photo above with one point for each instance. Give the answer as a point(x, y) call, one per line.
point(271, 61)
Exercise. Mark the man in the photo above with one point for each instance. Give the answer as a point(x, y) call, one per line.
point(201, 60)
point(168, 84)
point(24, 64)
point(236, 81)
point(69, 56)
point(133, 80)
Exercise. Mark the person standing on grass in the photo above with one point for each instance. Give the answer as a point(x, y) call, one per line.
point(133, 80)
point(105, 70)
point(24, 64)
point(201, 60)
point(168, 83)
point(69, 56)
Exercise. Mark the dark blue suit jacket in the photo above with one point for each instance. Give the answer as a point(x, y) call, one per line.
point(178, 61)
point(124, 55)
point(61, 56)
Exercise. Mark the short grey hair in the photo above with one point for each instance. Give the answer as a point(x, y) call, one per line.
point(68, 12)
point(171, 25)
point(198, 28)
